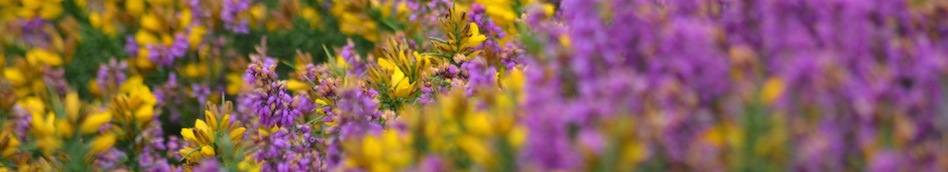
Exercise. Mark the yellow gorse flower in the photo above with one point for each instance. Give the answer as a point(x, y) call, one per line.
point(461, 36)
point(400, 69)
point(9, 144)
point(203, 138)
point(354, 19)
point(388, 151)
point(473, 131)
point(134, 106)
point(46, 9)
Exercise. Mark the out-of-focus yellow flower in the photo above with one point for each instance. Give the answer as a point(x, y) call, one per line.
point(101, 143)
point(72, 105)
point(565, 41)
point(41, 56)
point(354, 19)
point(234, 83)
point(193, 70)
point(249, 164)
point(312, 16)
point(46, 9)
point(151, 22)
point(135, 105)
point(388, 151)
point(92, 123)
point(196, 35)
point(94, 88)
point(773, 89)
point(135, 8)
point(144, 38)
point(9, 144)
point(15, 76)
point(296, 85)
point(33, 105)
point(203, 137)
point(43, 128)
point(477, 149)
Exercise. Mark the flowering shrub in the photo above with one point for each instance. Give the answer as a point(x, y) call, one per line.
point(473, 85)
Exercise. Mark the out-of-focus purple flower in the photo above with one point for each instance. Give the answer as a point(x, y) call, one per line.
point(353, 60)
point(478, 75)
point(109, 160)
point(208, 165)
point(200, 92)
point(131, 46)
point(166, 55)
point(111, 74)
point(231, 9)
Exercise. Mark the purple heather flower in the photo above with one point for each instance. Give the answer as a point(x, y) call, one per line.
point(270, 100)
point(231, 9)
point(208, 165)
point(111, 74)
point(200, 92)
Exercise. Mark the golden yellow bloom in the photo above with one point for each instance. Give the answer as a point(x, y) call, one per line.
point(196, 35)
point(101, 143)
point(461, 36)
point(388, 151)
point(41, 56)
point(773, 89)
point(151, 22)
point(234, 83)
point(249, 164)
point(475, 39)
point(311, 15)
point(135, 8)
point(203, 137)
point(15, 76)
point(43, 129)
point(9, 144)
point(354, 19)
point(135, 105)
point(93, 122)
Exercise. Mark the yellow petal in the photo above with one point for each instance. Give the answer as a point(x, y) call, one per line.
point(371, 148)
point(72, 105)
point(151, 22)
point(211, 119)
point(37, 55)
point(234, 83)
point(201, 126)
point(188, 134)
point(94, 122)
point(385, 64)
point(101, 143)
point(144, 114)
point(296, 85)
point(772, 90)
point(135, 7)
point(476, 38)
point(196, 35)
point(237, 133)
point(258, 12)
point(207, 151)
point(145, 38)
point(14, 75)
point(49, 144)
point(64, 128)
point(51, 10)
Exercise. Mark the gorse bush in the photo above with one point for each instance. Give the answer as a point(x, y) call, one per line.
point(473, 85)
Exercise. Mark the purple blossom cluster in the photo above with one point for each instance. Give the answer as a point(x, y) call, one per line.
point(270, 100)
